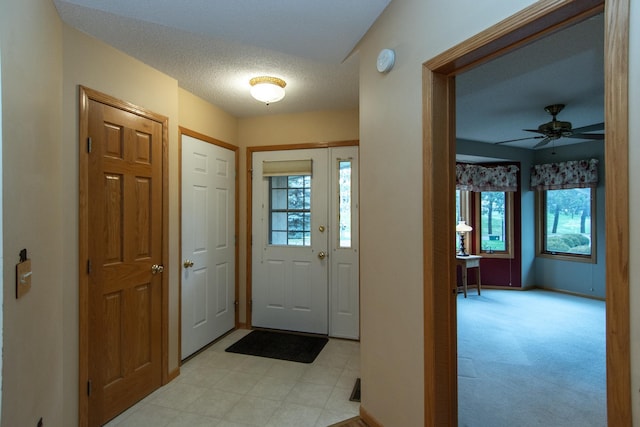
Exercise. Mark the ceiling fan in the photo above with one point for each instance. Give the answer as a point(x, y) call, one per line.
point(556, 129)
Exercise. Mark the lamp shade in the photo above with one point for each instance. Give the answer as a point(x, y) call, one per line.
point(267, 89)
point(463, 227)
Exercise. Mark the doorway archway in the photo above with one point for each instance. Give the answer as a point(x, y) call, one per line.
point(534, 22)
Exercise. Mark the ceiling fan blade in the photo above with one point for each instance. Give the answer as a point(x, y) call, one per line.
point(519, 139)
point(542, 143)
point(590, 128)
point(533, 130)
point(597, 136)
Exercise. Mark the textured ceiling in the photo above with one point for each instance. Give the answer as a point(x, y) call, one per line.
point(214, 47)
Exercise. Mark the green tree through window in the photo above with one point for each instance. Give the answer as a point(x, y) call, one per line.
point(493, 221)
point(567, 224)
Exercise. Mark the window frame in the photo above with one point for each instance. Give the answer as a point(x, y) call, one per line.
point(508, 253)
point(306, 241)
point(540, 212)
point(463, 215)
point(339, 203)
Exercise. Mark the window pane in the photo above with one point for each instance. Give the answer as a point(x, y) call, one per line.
point(307, 199)
point(493, 223)
point(295, 222)
point(279, 199)
point(296, 199)
point(279, 221)
point(458, 218)
point(296, 181)
point(279, 182)
point(290, 210)
point(344, 203)
point(568, 221)
point(279, 238)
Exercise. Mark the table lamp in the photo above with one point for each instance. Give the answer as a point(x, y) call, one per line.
point(461, 229)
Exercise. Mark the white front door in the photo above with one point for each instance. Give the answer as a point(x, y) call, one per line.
point(208, 243)
point(305, 242)
point(289, 263)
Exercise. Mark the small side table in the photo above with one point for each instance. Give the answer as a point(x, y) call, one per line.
point(465, 263)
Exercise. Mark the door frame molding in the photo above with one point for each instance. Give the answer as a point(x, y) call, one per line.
point(86, 94)
point(249, 169)
point(533, 22)
point(236, 150)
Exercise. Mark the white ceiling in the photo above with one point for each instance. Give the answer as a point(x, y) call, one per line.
point(214, 47)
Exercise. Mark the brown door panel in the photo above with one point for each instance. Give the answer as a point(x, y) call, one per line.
point(125, 240)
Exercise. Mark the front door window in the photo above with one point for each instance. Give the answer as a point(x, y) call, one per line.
point(290, 210)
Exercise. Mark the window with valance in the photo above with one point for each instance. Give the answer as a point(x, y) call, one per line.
point(492, 215)
point(566, 209)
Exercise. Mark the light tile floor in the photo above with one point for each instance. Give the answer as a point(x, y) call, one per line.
point(220, 389)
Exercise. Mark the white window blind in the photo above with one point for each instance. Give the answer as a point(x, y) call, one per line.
point(287, 168)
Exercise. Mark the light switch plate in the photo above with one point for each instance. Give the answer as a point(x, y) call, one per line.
point(23, 278)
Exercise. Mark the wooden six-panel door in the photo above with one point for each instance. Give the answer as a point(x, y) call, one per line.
point(125, 259)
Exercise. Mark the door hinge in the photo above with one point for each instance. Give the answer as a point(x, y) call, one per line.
point(89, 144)
point(237, 304)
point(88, 266)
point(89, 388)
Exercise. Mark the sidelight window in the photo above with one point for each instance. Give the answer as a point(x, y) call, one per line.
point(344, 202)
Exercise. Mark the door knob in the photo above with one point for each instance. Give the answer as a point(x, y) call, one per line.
point(187, 263)
point(155, 269)
point(322, 255)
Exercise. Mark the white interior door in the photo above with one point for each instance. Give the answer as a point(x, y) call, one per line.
point(208, 243)
point(290, 236)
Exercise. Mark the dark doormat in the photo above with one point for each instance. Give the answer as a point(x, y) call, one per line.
point(280, 345)
point(355, 394)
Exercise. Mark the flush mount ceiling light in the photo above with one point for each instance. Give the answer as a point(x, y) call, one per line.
point(267, 89)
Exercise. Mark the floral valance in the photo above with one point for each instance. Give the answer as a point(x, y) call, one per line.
point(471, 177)
point(563, 175)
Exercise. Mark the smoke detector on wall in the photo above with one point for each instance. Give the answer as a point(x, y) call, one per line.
point(386, 60)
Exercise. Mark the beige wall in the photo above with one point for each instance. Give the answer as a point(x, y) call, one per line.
point(198, 115)
point(390, 196)
point(390, 110)
point(32, 169)
point(285, 129)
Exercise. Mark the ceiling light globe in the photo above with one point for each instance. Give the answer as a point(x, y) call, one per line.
point(267, 89)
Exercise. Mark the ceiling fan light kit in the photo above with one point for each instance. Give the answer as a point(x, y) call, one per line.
point(267, 89)
point(556, 129)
